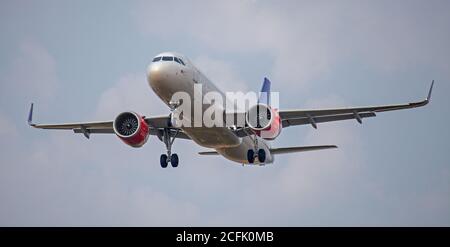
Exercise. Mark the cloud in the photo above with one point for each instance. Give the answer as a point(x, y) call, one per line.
point(291, 190)
point(130, 93)
point(297, 40)
point(7, 127)
point(66, 180)
point(221, 73)
point(31, 74)
point(306, 40)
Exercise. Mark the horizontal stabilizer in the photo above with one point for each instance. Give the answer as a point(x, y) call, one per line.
point(208, 153)
point(283, 150)
point(299, 149)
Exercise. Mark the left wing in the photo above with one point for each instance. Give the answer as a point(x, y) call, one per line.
point(315, 116)
point(299, 117)
point(156, 124)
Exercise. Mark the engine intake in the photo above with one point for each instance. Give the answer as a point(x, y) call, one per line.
point(264, 121)
point(131, 128)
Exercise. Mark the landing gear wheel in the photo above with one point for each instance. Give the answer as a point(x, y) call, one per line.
point(174, 160)
point(261, 155)
point(163, 160)
point(168, 140)
point(251, 156)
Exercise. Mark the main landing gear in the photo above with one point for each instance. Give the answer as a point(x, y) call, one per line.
point(252, 155)
point(256, 153)
point(169, 157)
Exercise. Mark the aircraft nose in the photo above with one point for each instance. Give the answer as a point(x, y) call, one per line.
point(166, 77)
point(162, 72)
point(155, 73)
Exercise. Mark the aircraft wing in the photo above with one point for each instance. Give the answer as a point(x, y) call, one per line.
point(156, 124)
point(314, 116)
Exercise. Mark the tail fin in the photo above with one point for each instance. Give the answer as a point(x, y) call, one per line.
point(264, 96)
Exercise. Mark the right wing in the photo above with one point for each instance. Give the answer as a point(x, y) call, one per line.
point(156, 125)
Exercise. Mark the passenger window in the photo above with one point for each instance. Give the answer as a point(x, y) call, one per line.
point(176, 60)
point(167, 58)
point(156, 59)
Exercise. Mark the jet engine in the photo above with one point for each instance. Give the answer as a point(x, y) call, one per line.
point(264, 121)
point(131, 128)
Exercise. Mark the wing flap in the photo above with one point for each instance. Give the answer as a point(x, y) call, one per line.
point(326, 112)
point(321, 119)
point(94, 131)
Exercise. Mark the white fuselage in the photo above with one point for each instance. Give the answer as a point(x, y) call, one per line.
point(168, 77)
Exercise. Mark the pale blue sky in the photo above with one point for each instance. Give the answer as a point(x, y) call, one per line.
point(86, 60)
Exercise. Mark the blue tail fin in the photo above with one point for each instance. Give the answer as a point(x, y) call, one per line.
point(264, 96)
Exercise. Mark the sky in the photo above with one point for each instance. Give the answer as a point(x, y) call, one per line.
point(86, 60)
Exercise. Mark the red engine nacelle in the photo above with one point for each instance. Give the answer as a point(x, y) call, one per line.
point(131, 128)
point(264, 121)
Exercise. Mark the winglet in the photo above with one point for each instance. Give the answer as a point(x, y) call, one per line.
point(30, 116)
point(429, 92)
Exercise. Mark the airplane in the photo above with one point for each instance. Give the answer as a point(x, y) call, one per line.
point(171, 72)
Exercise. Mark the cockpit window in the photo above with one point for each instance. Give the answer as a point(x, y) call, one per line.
point(167, 58)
